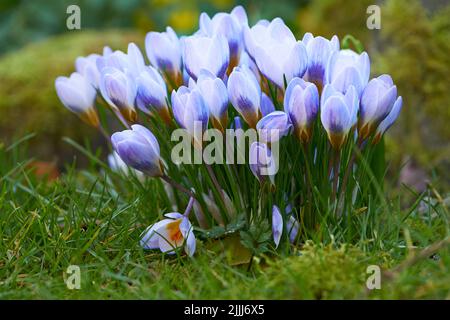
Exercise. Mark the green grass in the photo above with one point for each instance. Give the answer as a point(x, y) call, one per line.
point(93, 218)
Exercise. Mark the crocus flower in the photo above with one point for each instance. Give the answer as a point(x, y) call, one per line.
point(119, 91)
point(262, 164)
point(389, 120)
point(118, 165)
point(246, 60)
point(229, 26)
point(136, 62)
point(78, 95)
point(267, 105)
point(169, 234)
point(190, 112)
point(139, 149)
point(377, 101)
point(273, 127)
point(277, 225)
point(301, 103)
point(215, 96)
point(346, 68)
point(244, 93)
point(275, 50)
point(87, 67)
point(152, 93)
point(338, 113)
point(319, 51)
point(132, 61)
point(293, 227)
point(203, 52)
point(164, 52)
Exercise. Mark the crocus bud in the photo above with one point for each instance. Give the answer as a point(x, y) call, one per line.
point(136, 63)
point(273, 127)
point(262, 164)
point(267, 105)
point(389, 120)
point(116, 59)
point(164, 52)
point(276, 52)
point(87, 67)
point(139, 149)
point(117, 165)
point(377, 101)
point(169, 234)
point(319, 51)
point(346, 68)
point(215, 96)
point(301, 103)
point(245, 94)
point(190, 112)
point(78, 95)
point(203, 52)
point(277, 225)
point(292, 226)
point(119, 91)
point(338, 113)
point(229, 26)
point(152, 93)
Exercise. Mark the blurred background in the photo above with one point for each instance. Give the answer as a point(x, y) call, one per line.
point(413, 45)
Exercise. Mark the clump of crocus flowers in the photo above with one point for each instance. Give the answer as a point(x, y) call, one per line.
point(314, 98)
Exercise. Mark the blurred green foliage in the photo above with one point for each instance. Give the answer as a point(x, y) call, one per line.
point(335, 17)
point(28, 98)
point(22, 22)
point(414, 48)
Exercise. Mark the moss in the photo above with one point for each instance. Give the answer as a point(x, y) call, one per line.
point(28, 100)
point(319, 272)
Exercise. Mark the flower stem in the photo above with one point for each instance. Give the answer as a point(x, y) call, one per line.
point(178, 186)
point(359, 147)
point(215, 182)
point(337, 155)
point(189, 207)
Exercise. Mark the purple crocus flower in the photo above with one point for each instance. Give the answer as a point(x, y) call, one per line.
point(273, 127)
point(230, 26)
point(389, 120)
point(119, 91)
point(267, 105)
point(164, 52)
point(78, 95)
point(277, 225)
point(139, 149)
point(275, 50)
point(338, 113)
point(301, 103)
point(152, 93)
point(203, 52)
point(347, 68)
point(244, 93)
point(190, 112)
point(319, 52)
point(377, 102)
point(169, 234)
point(262, 164)
point(215, 96)
point(87, 67)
